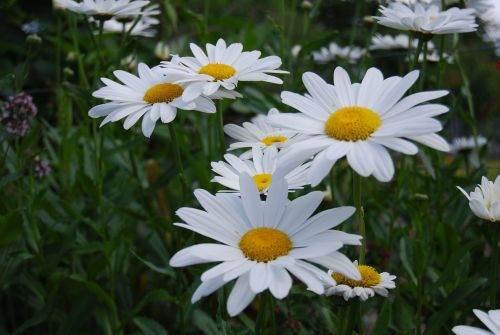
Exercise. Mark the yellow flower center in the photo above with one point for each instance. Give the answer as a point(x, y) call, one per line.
point(218, 71)
point(270, 140)
point(262, 180)
point(352, 123)
point(265, 244)
point(165, 92)
point(369, 277)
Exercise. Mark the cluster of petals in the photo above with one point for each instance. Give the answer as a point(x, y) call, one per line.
point(490, 320)
point(484, 201)
point(393, 120)
point(427, 19)
point(467, 143)
point(228, 218)
point(105, 8)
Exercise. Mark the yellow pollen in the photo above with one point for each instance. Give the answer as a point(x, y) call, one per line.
point(265, 244)
point(270, 140)
point(369, 277)
point(218, 71)
point(352, 123)
point(163, 93)
point(262, 180)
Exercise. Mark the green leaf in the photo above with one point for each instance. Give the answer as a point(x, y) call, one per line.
point(149, 326)
point(205, 323)
point(10, 227)
point(163, 270)
point(452, 303)
point(152, 296)
point(383, 319)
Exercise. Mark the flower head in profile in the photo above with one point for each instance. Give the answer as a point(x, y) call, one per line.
point(263, 168)
point(427, 19)
point(484, 201)
point(490, 320)
point(466, 144)
point(135, 25)
point(360, 121)
point(105, 9)
point(335, 52)
point(152, 96)
point(371, 283)
point(224, 66)
point(260, 243)
point(259, 133)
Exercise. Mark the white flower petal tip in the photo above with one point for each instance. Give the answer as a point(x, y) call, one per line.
point(301, 244)
point(484, 201)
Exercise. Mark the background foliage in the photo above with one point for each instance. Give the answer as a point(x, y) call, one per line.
point(85, 250)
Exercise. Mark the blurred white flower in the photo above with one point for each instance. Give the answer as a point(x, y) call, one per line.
point(129, 61)
point(489, 12)
point(296, 50)
point(162, 51)
point(484, 201)
point(490, 319)
point(371, 283)
point(143, 27)
point(389, 42)
point(427, 19)
point(334, 52)
point(466, 144)
point(105, 9)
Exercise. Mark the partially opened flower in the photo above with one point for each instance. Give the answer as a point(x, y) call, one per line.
point(484, 201)
point(152, 96)
point(490, 320)
point(261, 168)
point(360, 121)
point(427, 19)
point(335, 52)
point(259, 133)
point(106, 9)
point(225, 66)
point(371, 283)
point(262, 242)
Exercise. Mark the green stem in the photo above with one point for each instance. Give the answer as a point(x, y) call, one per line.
point(178, 160)
point(470, 101)
point(442, 62)
point(424, 68)
point(494, 266)
point(265, 315)
point(81, 69)
point(356, 186)
point(220, 117)
point(332, 183)
point(417, 53)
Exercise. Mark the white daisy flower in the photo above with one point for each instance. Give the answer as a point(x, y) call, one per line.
point(427, 19)
point(106, 8)
point(467, 144)
point(334, 52)
point(225, 66)
point(490, 320)
point(262, 242)
point(259, 133)
point(359, 121)
point(484, 201)
point(489, 12)
point(371, 282)
point(152, 96)
point(263, 168)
